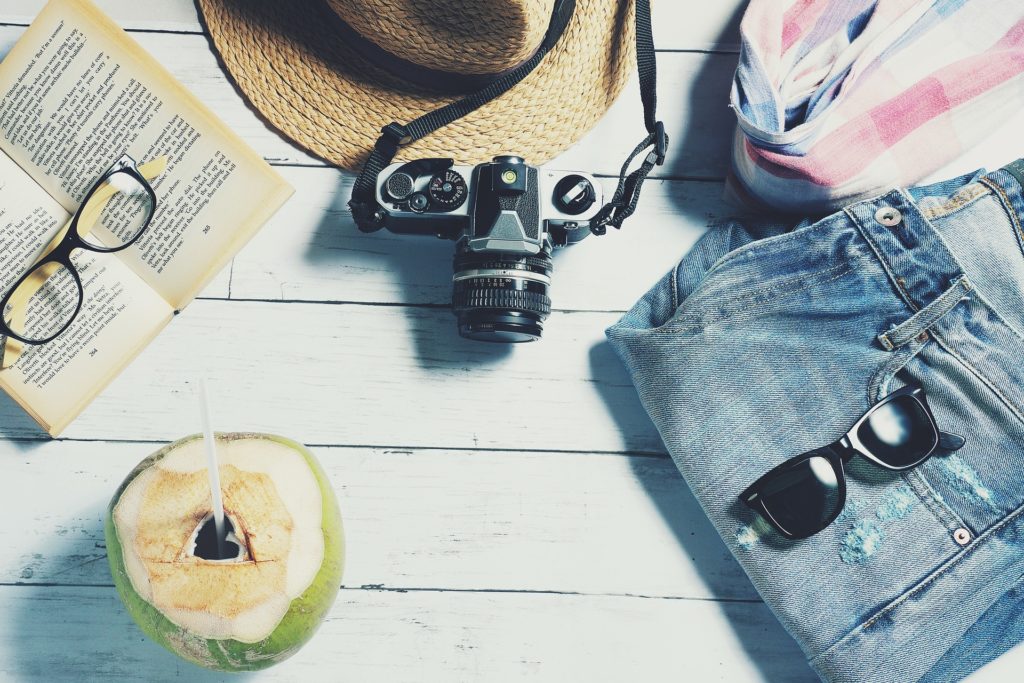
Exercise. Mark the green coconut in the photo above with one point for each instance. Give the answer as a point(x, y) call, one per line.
point(264, 601)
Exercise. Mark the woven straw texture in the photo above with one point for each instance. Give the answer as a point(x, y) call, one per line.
point(464, 36)
point(289, 59)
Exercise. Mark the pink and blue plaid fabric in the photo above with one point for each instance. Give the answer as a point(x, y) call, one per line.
point(840, 100)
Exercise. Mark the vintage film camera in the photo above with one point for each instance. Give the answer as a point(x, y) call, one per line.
point(505, 217)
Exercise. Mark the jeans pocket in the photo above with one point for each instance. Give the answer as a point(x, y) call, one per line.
point(740, 296)
point(906, 339)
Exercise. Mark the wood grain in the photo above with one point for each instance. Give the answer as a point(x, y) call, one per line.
point(700, 136)
point(424, 636)
point(466, 563)
point(372, 375)
point(678, 25)
point(147, 15)
point(423, 519)
point(312, 251)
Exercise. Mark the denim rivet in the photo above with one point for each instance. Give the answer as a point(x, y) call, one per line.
point(888, 216)
point(962, 536)
point(923, 337)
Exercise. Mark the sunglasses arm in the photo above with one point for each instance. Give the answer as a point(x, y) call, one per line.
point(951, 442)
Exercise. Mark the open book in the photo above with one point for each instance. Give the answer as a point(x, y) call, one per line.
point(75, 94)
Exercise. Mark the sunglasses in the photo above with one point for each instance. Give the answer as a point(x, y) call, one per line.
point(805, 494)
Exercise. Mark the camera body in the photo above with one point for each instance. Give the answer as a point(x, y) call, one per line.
point(506, 217)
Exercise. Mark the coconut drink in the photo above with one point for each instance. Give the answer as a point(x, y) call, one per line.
point(252, 598)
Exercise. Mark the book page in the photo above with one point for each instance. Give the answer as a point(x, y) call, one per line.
point(29, 218)
point(76, 92)
point(119, 312)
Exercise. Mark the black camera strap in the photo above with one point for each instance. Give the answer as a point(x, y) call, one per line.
point(367, 213)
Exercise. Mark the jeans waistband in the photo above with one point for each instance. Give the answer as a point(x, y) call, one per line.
point(918, 260)
point(1008, 184)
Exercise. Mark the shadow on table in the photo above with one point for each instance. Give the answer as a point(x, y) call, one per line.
point(710, 120)
point(423, 269)
point(83, 632)
point(17, 428)
point(767, 644)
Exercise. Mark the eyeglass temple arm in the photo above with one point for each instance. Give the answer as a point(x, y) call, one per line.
point(12, 348)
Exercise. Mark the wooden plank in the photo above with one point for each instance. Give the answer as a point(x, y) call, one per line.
point(1005, 668)
point(692, 25)
point(220, 286)
point(677, 25)
point(700, 131)
point(693, 102)
point(417, 519)
point(148, 15)
point(83, 634)
point(312, 251)
point(381, 376)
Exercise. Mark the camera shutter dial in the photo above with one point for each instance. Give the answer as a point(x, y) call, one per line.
point(448, 190)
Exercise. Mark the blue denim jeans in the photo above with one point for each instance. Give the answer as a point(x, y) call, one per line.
point(765, 342)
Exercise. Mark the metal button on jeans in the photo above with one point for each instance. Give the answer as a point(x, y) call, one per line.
point(888, 216)
point(962, 536)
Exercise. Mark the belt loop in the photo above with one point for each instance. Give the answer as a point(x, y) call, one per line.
point(917, 325)
point(1016, 169)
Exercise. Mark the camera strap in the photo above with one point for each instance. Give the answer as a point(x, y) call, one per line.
point(367, 213)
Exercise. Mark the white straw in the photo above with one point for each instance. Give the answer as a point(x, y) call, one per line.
point(212, 466)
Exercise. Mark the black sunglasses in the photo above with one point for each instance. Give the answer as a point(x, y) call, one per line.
point(805, 494)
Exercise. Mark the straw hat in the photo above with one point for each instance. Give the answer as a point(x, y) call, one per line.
point(330, 73)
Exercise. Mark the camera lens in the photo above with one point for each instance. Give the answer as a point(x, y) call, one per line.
point(501, 297)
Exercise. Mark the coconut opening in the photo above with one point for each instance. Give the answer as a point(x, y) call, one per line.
point(275, 509)
point(204, 542)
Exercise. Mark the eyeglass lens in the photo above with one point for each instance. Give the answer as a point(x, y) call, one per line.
point(899, 433)
point(802, 498)
point(116, 212)
point(44, 303)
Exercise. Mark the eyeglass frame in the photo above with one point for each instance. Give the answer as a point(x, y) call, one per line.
point(842, 451)
point(61, 253)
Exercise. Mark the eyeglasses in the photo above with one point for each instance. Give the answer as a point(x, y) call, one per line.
point(113, 215)
point(805, 494)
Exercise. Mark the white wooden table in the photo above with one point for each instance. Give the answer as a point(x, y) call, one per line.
point(485, 544)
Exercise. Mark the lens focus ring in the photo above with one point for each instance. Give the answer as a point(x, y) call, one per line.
point(501, 297)
point(511, 299)
point(537, 264)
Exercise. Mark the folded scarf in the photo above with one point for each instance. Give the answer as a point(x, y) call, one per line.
point(840, 100)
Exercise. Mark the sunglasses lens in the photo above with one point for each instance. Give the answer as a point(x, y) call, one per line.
point(803, 498)
point(899, 433)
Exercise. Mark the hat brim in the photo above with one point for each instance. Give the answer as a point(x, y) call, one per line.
point(291, 61)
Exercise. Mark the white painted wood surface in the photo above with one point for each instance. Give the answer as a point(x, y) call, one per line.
point(680, 25)
point(487, 547)
point(417, 636)
point(468, 520)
